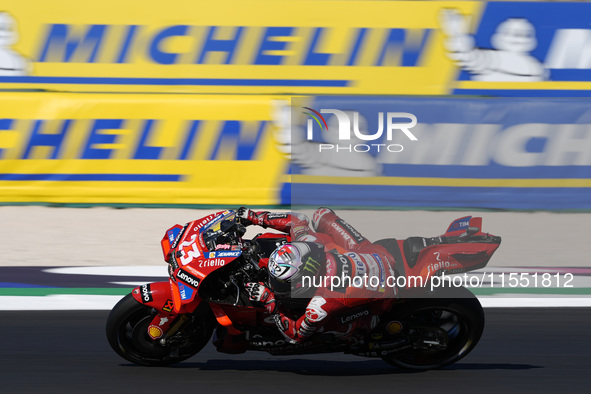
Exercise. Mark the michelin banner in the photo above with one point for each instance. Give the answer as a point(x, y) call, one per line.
point(439, 152)
point(297, 47)
point(137, 148)
point(235, 150)
point(227, 46)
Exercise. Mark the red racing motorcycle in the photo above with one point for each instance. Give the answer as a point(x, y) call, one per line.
point(209, 263)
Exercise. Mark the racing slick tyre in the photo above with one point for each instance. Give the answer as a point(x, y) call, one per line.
point(127, 333)
point(442, 328)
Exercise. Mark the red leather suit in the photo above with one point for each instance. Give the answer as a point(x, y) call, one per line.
point(344, 310)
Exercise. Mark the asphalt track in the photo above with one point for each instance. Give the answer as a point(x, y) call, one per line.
point(532, 350)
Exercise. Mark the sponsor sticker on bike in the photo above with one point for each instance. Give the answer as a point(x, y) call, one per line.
point(354, 316)
point(394, 327)
point(225, 253)
point(178, 237)
point(185, 291)
point(155, 332)
point(459, 224)
point(168, 306)
point(172, 234)
point(146, 293)
point(188, 278)
point(212, 263)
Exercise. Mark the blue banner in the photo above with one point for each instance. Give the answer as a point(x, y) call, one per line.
point(466, 153)
point(520, 49)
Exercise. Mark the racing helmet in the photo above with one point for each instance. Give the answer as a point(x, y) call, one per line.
point(293, 267)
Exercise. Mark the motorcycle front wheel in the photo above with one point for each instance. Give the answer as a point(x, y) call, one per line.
point(442, 329)
point(127, 333)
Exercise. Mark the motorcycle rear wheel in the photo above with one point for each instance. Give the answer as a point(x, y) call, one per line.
point(127, 333)
point(453, 314)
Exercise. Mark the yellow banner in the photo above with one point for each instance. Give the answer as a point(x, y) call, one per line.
point(136, 148)
point(228, 46)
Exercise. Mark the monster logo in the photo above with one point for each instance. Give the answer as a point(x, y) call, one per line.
point(311, 266)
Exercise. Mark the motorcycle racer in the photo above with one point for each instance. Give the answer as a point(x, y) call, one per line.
point(211, 264)
point(326, 253)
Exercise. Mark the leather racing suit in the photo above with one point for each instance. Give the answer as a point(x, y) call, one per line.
point(339, 310)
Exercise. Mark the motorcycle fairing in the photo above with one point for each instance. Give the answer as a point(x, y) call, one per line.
point(156, 295)
point(187, 251)
point(223, 319)
point(185, 297)
point(169, 239)
point(450, 259)
point(458, 226)
point(463, 247)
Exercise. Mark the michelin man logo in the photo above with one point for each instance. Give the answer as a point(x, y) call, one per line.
point(12, 63)
point(509, 60)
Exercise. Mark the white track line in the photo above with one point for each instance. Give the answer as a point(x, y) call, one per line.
point(58, 302)
point(106, 302)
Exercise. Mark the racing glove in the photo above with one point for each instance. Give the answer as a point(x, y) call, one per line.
point(258, 292)
point(249, 217)
point(245, 216)
point(279, 221)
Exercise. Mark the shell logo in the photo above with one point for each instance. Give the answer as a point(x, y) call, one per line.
point(394, 327)
point(155, 332)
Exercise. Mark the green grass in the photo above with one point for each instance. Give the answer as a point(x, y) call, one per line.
point(45, 291)
point(533, 290)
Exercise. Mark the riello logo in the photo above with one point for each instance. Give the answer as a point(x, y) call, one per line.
point(348, 125)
